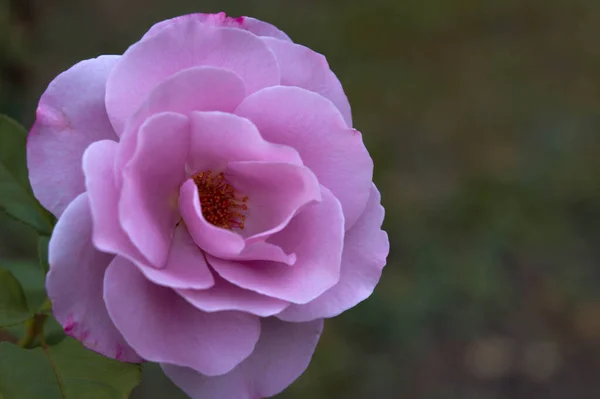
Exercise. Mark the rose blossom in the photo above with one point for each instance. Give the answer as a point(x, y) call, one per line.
point(214, 204)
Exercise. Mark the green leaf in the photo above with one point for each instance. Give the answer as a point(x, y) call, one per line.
point(43, 242)
point(16, 197)
point(64, 371)
point(13, 305)
point(31, 277)
point(13, 138)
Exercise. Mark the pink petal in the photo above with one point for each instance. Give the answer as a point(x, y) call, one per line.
point(148, 205)
point(302, 67)
point(226, 296)
point(70, 116)
point(365, 251)
point(75, 281)
point(108, 234)
point(218, 138)
point(183, 45)
point(255, 26)
point(316, 236)
point(162, 327)
point(281, 356)
point(186, 266)
point(193, 89)
point(222, 242)
point(210, 238)
point(276, 193)
point(312, 125)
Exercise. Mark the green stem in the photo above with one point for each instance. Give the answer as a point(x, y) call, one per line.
point(34, 327)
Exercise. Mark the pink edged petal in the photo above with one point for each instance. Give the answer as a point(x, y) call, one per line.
point(365, 251)
point(259, 28)
point(183, 45)
point(281, 356)
point(71, 115)
point(302, 67)
point(151, 180)
point(208, 237)
point(186, 267)
point(316, 236)
point(276, 192)
point(108, 234)
point(218, 138)
point(162, 327)
point(226, 296)
point(75, 282)
point(313, 126)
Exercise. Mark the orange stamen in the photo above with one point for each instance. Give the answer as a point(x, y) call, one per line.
point(220, 205)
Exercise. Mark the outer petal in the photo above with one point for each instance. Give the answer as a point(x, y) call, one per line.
point(313, 126)
point(180, 46)
point(218, 138)
point(255, 26)
point(74, 284)
point(148, 205)
point(162, 327)
point(70, 116)
point(316, 236)
point(302, 67)
point(365, 251)
point(108, 235)
point(186, 266)
point(281, 356)
point(226, 296)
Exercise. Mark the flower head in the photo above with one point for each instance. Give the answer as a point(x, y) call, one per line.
point(214, 204)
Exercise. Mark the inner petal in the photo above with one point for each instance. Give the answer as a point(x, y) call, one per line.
point(223, 212)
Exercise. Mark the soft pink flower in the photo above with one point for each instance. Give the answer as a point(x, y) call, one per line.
point(214, 204)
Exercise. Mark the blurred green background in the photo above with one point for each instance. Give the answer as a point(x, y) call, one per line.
point(483, 120)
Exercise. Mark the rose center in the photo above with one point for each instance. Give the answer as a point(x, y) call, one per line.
point(220, 203)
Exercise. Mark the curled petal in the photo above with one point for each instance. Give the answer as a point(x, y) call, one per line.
point(318, 256)
point(208, 237)
point(108, 234)
point(366, 247)
point(313, 126)
point(276, 192)
point(218, 138)
point(148, 204)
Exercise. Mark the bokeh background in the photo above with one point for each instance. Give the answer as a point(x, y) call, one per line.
point(483, 120)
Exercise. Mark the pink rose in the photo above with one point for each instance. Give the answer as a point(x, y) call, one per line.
point(214, 204)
